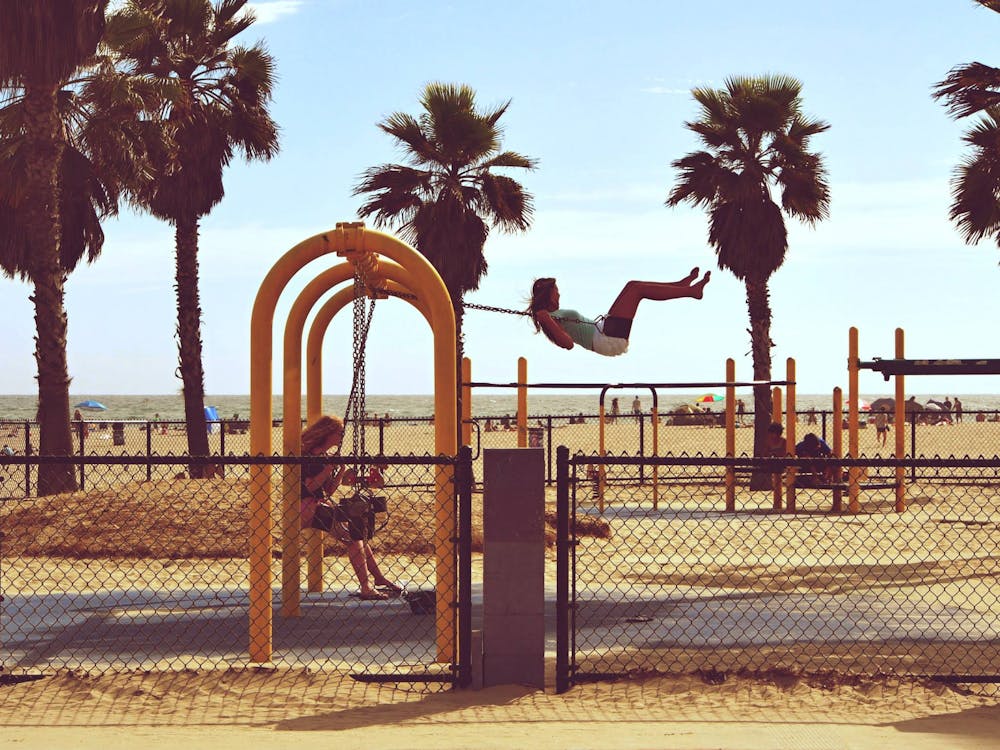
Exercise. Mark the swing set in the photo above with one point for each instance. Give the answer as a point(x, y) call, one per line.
point(372, 260)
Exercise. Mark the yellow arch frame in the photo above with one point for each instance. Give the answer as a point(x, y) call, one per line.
point(349, 239)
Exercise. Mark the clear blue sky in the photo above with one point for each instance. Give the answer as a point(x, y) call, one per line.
point(600, 92)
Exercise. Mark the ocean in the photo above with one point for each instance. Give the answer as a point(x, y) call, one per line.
point(171, 406)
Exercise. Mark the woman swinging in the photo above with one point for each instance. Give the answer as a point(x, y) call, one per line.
point(608, 334)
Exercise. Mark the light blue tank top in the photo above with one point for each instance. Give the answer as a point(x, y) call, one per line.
point(580, 328)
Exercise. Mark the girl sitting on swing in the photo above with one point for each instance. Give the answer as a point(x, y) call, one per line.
point(607, 334)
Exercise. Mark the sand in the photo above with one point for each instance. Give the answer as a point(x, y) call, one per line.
point(230, 707)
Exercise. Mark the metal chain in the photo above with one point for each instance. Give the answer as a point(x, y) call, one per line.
point(491, 308)
point(355, 412)
point(471, 305)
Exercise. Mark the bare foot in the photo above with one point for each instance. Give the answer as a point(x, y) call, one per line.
point(696, 289)
point(686, 281)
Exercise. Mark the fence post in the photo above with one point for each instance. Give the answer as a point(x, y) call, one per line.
point(27, 452)
point(79, 436)
point(642, 445)
point(548, 449)
point(222, 445)
point(562, 569)
point(513, 567)
point(463, 475)
point(149, 450)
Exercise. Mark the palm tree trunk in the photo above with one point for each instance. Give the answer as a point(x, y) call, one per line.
point(46, 273)
point(759, 307)
point(189, 340)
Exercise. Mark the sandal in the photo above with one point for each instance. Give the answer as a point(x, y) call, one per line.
point(375, 596)
point(395, 588)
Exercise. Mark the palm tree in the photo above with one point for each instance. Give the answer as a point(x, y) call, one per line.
point(756, 145)
point(445, 202)
point(41, 46)
point(968, 90)
point(215, 99)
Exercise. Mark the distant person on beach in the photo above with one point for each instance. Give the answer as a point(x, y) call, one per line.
point(614, 410)
point(741, 410)
point(83, 426)
point(881, 420)
point(958, 409)
point(637, 408)
point(320, 479)
point(606, 334)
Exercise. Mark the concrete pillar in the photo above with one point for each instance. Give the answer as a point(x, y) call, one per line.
point(514, 567)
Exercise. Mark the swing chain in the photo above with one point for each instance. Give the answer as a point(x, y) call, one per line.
point(356, 407)
point(473, 306)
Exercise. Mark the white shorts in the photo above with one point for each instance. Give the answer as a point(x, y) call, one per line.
point(608, 345)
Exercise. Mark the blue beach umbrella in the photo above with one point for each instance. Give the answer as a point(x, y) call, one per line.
point(91, 405)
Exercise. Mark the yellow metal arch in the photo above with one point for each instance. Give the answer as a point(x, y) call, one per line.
point(346, 239)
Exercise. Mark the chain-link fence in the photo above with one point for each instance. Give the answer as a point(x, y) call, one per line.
point(692, 431)
point(659, 577)
point(136, 573)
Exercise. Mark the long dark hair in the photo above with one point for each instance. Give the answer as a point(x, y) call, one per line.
point(541, 293)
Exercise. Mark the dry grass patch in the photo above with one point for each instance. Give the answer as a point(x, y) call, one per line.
point(204, 518)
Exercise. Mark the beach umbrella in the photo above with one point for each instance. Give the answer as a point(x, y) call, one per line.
point(862, 404)
point(91, 405)
point(709, 398)
point(889, 404)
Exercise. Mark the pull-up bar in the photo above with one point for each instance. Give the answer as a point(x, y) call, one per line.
point(891, 367)
point(709, 384)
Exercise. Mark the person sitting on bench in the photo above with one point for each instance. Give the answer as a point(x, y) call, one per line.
point(813, 446)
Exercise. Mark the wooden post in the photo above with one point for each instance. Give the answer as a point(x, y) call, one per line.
point(854, 472)
point(522, 402)
point(900, 431)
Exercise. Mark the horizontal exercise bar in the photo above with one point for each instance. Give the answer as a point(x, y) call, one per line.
point(711, 384)
point(890, 367)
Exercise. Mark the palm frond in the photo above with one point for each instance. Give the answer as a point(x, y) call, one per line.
point(509, 159)
point(969, 89)
point(448, 199)
point(510, 207)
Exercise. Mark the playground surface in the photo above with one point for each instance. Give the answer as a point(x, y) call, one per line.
point(236, 709)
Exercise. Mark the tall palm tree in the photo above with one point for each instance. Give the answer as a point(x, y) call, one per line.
point(447, 199)
point(41, 45)
point(756, 146)
point(969, 90)
point(215, 102)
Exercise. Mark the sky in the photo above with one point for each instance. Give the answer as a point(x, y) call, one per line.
point(599, 94)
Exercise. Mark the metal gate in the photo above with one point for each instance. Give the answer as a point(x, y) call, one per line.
point(660, 578)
